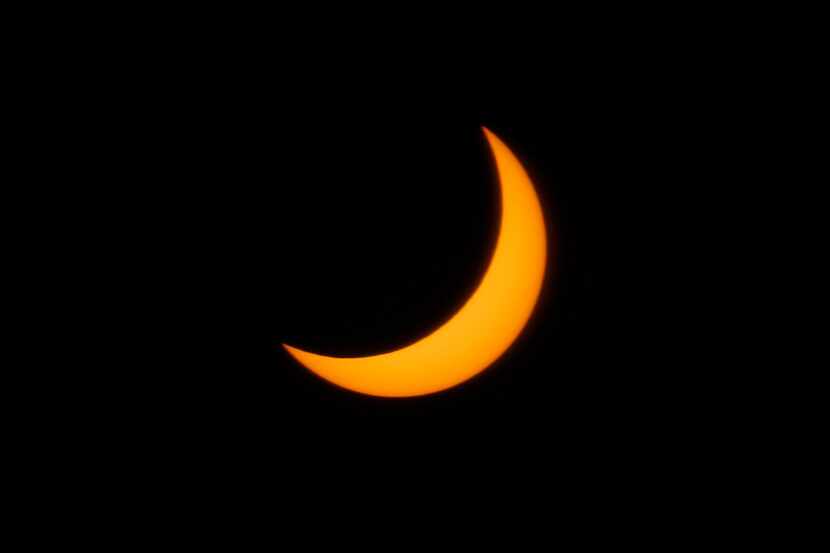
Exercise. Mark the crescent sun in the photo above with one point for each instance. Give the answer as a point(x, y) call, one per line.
point(485, 326)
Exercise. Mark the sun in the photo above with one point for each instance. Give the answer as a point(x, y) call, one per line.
point(485, 326)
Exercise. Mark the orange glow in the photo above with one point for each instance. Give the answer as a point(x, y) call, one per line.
point(482, 330)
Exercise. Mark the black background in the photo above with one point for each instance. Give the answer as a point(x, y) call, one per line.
point(350, 208)
point(352, 222)
point(329, 187)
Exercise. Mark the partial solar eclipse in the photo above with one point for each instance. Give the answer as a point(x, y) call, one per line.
point(488, 323)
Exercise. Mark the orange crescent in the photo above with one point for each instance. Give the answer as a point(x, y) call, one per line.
point(488, 323)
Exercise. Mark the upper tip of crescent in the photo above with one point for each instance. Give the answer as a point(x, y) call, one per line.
point(491, 137)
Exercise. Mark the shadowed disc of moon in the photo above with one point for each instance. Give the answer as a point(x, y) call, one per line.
point(485, 326)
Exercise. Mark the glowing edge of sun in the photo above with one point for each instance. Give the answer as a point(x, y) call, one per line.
point(484, 328)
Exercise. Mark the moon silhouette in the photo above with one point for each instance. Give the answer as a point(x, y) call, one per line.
point(485, 326)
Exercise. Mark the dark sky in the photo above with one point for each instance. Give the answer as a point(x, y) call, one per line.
point(352, 224)
point(350, 212)
point(277, 180)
